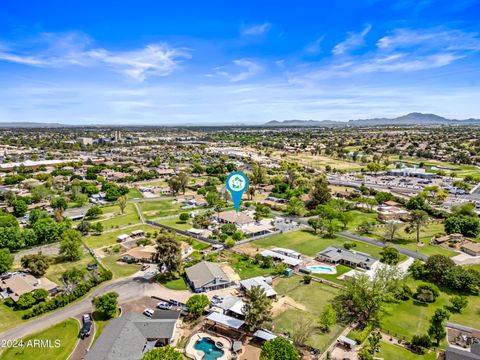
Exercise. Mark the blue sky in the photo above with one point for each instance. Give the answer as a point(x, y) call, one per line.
point(234, 62)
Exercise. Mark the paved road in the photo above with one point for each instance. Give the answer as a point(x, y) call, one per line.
point(128, 289)
point(403, 251)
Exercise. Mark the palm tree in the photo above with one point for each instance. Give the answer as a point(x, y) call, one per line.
point(418, 219)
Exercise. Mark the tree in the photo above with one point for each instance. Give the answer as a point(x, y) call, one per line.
point(106, 304)
point(315, 224)
point(416, 203)
point(259, 175)
point(71, 245)
point(71, 278)
point(417, 269)
point(197, 304)
point(183, 180)
point(345, 218)
point(437, 266)
point(279, 349)
point(390, 255)
point(47, 230)
point(303, 329)
point(97, 227)
point(6, 260)
point(362, 299)
point(328, 318)
point(37, 264)
point(122, 203)
point(213, 198)
point(295, 206)
point(390, 230)
point(257, 308)
point(20, 207)
point(374, 341)
point(437, 325)
point(426, 293)
point(93, 213)
point(458, 303)
point(59, 203)
point(175, 184)
point(184, 217)
point(366, 227)
point(466, 225)
point(419, 342)
point(320, 193)
point(163, 353)
point(168, 255)
point(40, 295)
point(418, 219)
point(26, 301)
point(84, 227)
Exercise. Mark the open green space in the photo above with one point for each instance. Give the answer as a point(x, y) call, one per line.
point(244, 266)
point(409, 241)
point(309, 243)
point(56, 269)
point(176, 284)
point(176, 223)
point(358, 217)
point(159, 208)
point(110, 237)
point(313, 297)
point(134, 194)
point(118, 268)
point(408, 318)
point(9, 317)
point(389, 351)
point(65, 332)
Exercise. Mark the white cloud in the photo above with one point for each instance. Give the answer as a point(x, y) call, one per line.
point(352, 42)
point(257, 29)
point(314, 47)
point(54, 50)
point(250, 69)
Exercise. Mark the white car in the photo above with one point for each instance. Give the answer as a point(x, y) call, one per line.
point(164, 305)
point(148, 312)
point(87, 318)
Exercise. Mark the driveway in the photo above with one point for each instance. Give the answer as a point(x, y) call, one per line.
point(129, 289)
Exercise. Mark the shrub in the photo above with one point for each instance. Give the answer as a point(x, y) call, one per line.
point(426, 293)
point(349, 245)
point(184, 217)
point(307, 279)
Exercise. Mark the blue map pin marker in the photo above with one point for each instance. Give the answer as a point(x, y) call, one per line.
point(237, 183)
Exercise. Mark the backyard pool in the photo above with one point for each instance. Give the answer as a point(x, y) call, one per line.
point(320, 269)
point(208, 347)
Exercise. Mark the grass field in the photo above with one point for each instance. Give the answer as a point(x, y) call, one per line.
point(308, 243)
point(119, 269)
point(407, 318)
point(129, 217)
point(134, 194)
point(158, 208)
point(314, 297)
point(9, 317)
point(357, 218)
point(66, 332)
point(175, 223)
point(409, 241)
point(244, 267)
point(177, 284)
point(56, 270)
point(320, 161)
point(110, 237)
point(389, 351)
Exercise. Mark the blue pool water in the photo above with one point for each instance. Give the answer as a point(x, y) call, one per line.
point(320, 268)
point(211, 351)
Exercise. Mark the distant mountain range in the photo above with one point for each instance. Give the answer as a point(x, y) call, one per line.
point(409, 119)
point(29, 125)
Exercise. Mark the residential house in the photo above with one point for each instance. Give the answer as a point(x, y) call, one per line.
point(457, 353)
point(334, 255)
point(265, 282)
point(22, 283)
point(130, 336)
point(471, 248)
point(207, 276)
point(140, 254)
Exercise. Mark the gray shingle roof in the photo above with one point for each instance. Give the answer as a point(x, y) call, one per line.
point(204, 273)
point(126, 337)
point(337, 254)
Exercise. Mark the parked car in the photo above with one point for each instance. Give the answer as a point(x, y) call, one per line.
point(148, 312)
point(87, 318)
point(164, 305)
point(145, 267)
point(86, 329)
point(216, 299)
point(92, 266)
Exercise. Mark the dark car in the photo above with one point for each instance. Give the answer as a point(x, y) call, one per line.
point(92, 266)
point(86, 329)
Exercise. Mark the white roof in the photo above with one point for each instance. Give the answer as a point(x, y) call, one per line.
point(265, 335)
point(195, 231)
point(290, 252)
point(123, 236)
point(225, 320)
point(258, 281)
point(286, 259)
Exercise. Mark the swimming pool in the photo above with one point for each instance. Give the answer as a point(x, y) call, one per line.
point(321, 269)
point(211, 351)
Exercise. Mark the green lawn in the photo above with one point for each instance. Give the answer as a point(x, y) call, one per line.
point(198, 245)
point(55, 270)
point(66, 332)
point(134, 194)
point(407, 318)
point(393, 352)
point(308, 243)
point(159, 208)
point(313, 296)
point(357, 218)
point(244, 266)
point(9, 317)
point(177, 284)
point(119, 269)
point(176, 223)
point(341, 269)
point(409, 241)
point(110, 237)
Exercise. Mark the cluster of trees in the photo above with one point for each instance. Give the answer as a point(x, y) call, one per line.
point(441, 270)
point(328, 215)
point(463, 221)
point(113, 191)
point(106, 304)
